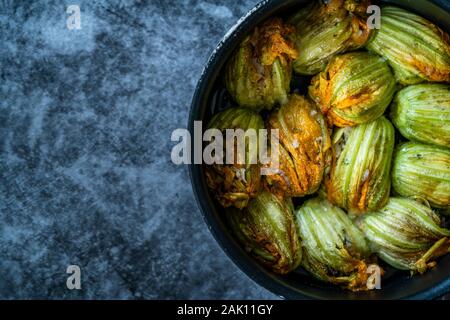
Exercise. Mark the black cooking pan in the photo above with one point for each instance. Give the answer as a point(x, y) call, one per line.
point(210, 97)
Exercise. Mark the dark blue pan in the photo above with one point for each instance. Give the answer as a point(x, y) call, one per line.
point(210, 97)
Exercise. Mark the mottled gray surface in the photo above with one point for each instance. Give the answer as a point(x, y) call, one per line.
point(86, 177)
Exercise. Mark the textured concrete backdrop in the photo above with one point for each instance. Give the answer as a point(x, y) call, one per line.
point(85, 171)
point(86, 177)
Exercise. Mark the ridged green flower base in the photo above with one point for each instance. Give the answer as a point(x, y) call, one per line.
point(423, 171)
point(267, 230)
point(334, 250)
point(422, 113)
point(360, 177)
point(416, 49)
point(406, 234)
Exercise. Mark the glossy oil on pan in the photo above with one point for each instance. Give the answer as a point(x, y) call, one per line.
point(209, 98)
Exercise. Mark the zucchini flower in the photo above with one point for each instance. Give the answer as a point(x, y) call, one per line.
point(354, 88)
point(334, 249)
point(305, 148)
point(266, 228)
point(416, 49)
point(421, 112)
point(258, 74)
point(237, 182)
point(423, 171)
point(324, 29)
point(406, 234)
point(359, 180)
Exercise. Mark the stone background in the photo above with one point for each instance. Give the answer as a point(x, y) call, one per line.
point(86, 178)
